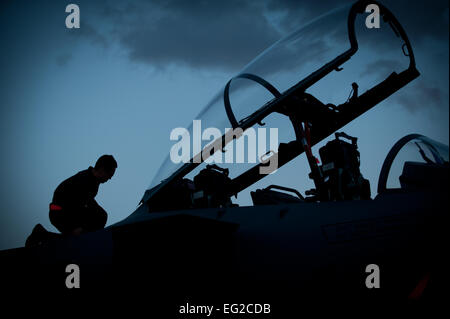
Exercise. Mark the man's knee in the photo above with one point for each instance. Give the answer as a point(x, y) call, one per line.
point(97, 219)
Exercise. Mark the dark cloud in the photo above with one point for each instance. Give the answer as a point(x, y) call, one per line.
point(422, 97)
point(421, 19)
point(228, 34)
point(204, 34)
point(194, 33)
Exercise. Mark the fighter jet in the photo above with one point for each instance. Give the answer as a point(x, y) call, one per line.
point(187, 237)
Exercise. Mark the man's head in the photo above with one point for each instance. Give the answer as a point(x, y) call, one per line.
point(104, 168)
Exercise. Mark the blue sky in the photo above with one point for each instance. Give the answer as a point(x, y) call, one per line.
point(137, 69)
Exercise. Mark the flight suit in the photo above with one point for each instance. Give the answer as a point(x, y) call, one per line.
point(73, 204)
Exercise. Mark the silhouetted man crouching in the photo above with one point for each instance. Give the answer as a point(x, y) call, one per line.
point(73, 209)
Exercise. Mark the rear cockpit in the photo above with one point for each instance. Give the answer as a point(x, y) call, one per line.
point(415, 163)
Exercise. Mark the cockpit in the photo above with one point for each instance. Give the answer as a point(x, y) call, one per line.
point(296, 93)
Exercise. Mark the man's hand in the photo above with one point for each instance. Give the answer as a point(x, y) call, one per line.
point(77, 231)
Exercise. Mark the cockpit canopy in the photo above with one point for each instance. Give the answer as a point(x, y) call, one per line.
point(415, 162)
point(301, 59)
